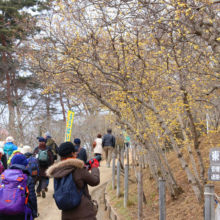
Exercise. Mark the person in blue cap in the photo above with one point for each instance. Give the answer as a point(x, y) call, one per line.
point(81, 152)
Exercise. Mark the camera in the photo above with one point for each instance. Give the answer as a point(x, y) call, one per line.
point(88, 163)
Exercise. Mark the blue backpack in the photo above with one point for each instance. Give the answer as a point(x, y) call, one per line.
point(33, 166)
point(66, 194)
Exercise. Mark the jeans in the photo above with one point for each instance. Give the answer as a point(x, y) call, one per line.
point(98, 155)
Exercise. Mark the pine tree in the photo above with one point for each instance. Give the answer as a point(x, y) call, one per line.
point(12, 12)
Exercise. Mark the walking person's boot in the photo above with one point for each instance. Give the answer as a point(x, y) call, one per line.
point(39, 194)
point(43, 193)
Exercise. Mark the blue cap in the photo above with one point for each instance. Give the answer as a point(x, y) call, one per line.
point(41, 139)
point(77, 141)
point(19, 159)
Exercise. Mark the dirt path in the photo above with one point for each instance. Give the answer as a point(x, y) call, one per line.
point(47, 207)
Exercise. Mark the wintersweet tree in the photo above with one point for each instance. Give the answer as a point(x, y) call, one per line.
point(141, 61)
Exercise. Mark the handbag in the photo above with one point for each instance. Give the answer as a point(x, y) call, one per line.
point(95, 206)
point(94, 144)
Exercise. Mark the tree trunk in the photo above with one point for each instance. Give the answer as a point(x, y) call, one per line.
point(62, 105)
point(191, 178)
point(188, 147)
point(20, 126)
point(47, 99)
point(8, 89)
point(194, 132)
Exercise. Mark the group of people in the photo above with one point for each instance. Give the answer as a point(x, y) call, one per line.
point(22, 170)
point(107, 143)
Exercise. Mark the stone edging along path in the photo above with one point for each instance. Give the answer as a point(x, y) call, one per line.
point(111, 211)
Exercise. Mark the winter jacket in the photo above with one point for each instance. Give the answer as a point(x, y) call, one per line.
point(4, 161)
point(98, 147)
point(82, 153)
point(42, 146)
point(81, 177)
point(9, 148)
point(108, 140)
point(32, 199)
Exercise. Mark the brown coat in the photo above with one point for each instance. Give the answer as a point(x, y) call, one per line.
point(42, 146)
point(84, 211)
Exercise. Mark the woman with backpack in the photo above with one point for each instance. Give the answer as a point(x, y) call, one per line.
point(71, 175)
point(45, 160)
point(9, 146)
point(18, 191)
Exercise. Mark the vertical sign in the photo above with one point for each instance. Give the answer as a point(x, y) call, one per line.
point(126, 137)
point(214, 169)
point(69, 125)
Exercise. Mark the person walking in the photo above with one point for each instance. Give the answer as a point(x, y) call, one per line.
point(26, 151)
point(108, 144)
point(9, 147)
point(3, 158)
point(97, 145)
point(19, 162)
point(72, 171)
point(50, 142)
point(80, 151)
point(2, 168)
point(45, 160)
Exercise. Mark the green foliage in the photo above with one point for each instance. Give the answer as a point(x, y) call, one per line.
point(12, 13)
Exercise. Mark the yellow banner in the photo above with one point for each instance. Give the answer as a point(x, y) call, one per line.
point(69, 125)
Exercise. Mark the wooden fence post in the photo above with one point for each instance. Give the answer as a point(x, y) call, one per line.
point(126, 183)
point(118, 179)
point(132, 157)
point(209, 202)
point(127, 156)
point(109, 211)
point(140, 195)
point(125, 150)
point(122, 157)
point(118, 153)
point(113, 170)
point(162, 198)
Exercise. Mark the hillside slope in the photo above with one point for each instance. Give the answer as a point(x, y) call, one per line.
point(185, 207)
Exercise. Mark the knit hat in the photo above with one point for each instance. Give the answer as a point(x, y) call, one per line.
point(47, 133)
point(19, 159)
point(26, 149)
point(66, 148)
point(2, 143)
point(77, 141)
point(41, 139)
point(2, 151)
point(9, 139)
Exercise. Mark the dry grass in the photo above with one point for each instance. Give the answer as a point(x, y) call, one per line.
point(185, 207)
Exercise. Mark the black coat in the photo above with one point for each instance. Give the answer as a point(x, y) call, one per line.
point(32, 199)
point(108, 140)
point(4, 161)
point(28, 155)
point(82, 153)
